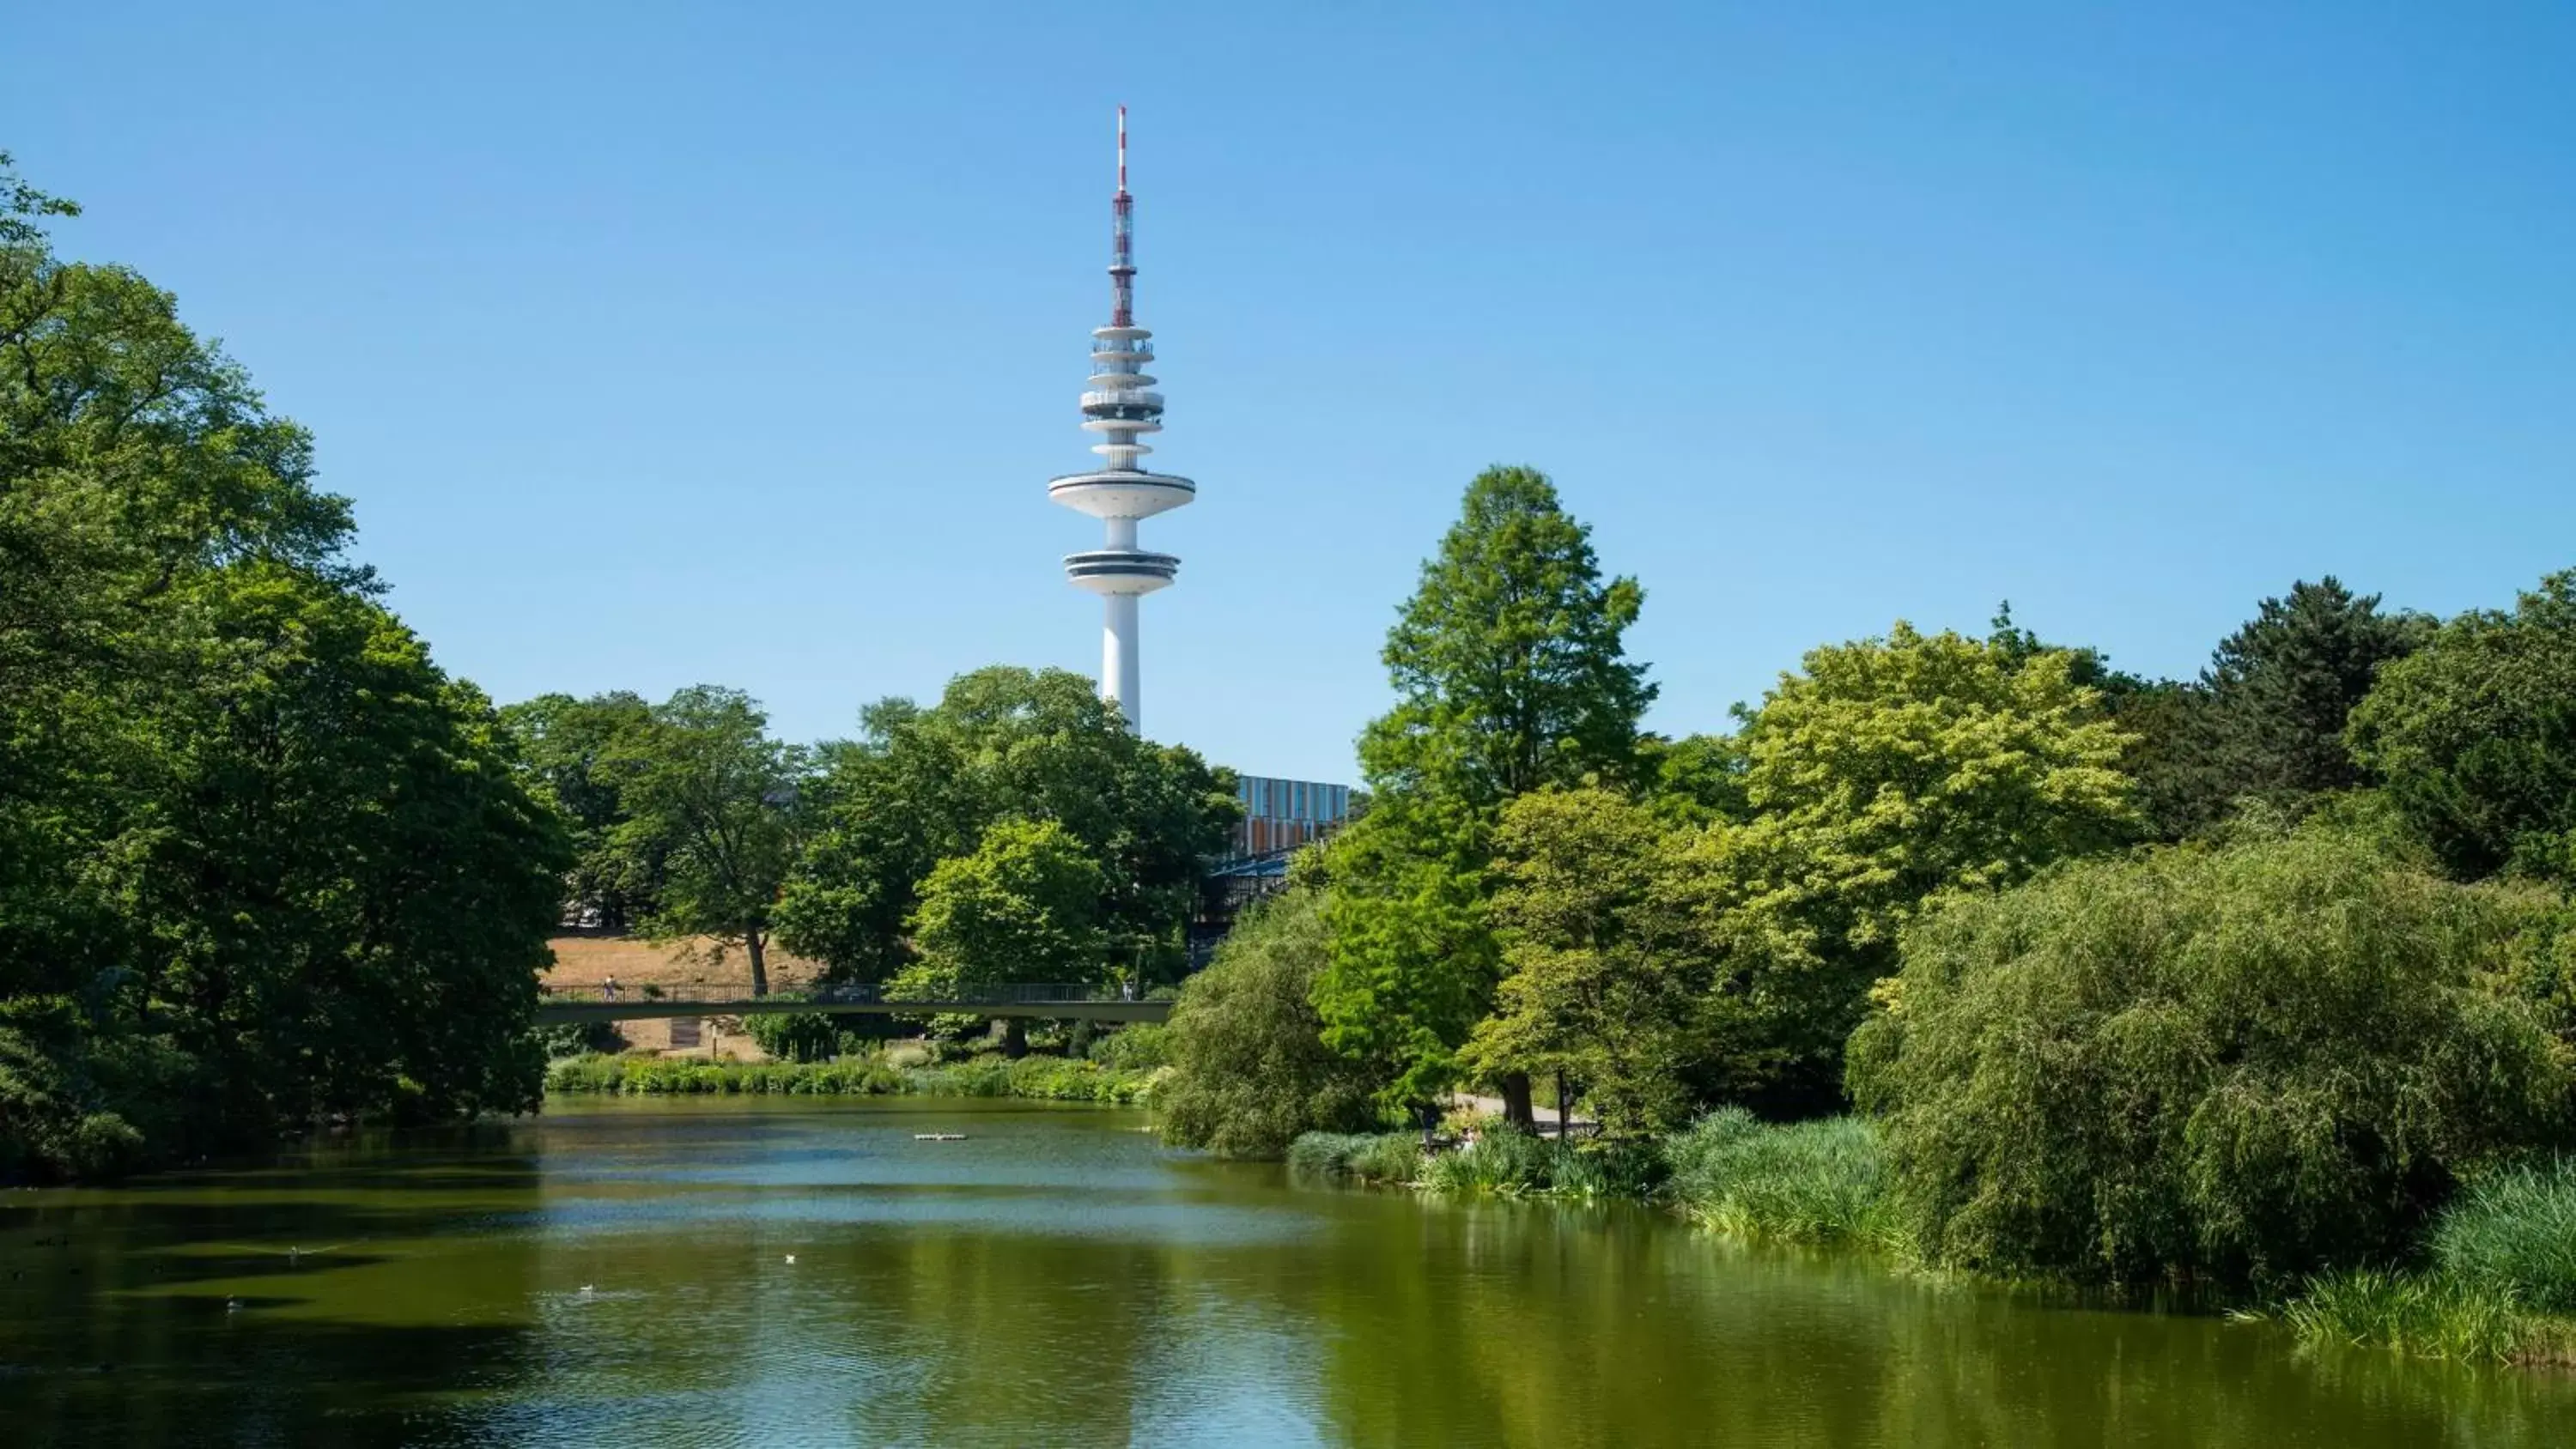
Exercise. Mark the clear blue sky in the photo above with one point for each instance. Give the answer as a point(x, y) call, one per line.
point(662, 344)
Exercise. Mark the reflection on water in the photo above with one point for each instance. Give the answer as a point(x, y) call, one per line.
point(620, 1273)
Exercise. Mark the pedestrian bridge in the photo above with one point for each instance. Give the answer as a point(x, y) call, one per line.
point(1025, 999)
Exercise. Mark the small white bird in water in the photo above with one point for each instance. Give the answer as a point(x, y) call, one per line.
point(232, 1305)
point(585, 1288)
point(791, 1259)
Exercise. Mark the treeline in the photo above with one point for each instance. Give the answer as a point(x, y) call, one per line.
point(264, 866)
point(261, 863)
point(1014, 831)
point(2227, 979)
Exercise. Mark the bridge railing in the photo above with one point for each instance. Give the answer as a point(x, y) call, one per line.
point(1005, 993)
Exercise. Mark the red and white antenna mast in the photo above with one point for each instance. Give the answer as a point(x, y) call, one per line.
point(1122, 248)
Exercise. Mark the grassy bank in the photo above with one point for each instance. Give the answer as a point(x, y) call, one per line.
point(1054, 1079)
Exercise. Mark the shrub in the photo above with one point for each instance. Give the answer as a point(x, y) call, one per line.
point(1141, 1046)
point(1809, 1182)
point(577, 1038)
point(2514, 1233)
point(2247, 1062)
point(1250, 1070)
point(796, 1036)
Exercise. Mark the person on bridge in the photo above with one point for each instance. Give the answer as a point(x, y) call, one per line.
point(608, 989)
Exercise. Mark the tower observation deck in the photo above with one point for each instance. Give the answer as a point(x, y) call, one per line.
point(1120, 406)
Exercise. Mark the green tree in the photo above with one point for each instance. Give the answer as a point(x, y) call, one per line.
point(2281, 687)
point(1510, 674)
point(1249, 1068)
point(2264, 722)
point(1609, 983)
point(2242, 1062)
point(1508, 662)
point(1888, 771)
point(2476, 736)
point(1413, 956)
point(711, 802)
point(1003, 744)
point(1025, 906)
point(350, 889)
point(559, 740)
point(260, 861)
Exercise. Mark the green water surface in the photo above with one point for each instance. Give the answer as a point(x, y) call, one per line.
point(618, 1273)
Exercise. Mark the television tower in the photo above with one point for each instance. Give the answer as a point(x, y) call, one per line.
point(1120, 406)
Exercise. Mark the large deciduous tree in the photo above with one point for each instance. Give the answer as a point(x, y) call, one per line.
point(712, 802)
point(1610, 981)
point(1510, 673)
point(1024, 906)
point(1509, 662)
point(352, 891)
point(1886, 771)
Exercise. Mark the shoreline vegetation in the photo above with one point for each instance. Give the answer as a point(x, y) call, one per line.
point(1040, 1078)
point(2496, 1282)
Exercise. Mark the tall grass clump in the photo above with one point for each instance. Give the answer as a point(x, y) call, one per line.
point(2425, 1315)
point(1807, 1182)
point(1499, 1161)
point(1513, 1163)
point(1392, 1158)
point(2514, 1233)
point(2243, 1064)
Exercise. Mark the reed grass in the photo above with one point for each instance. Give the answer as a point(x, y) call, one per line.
point(1389, 1158)
point(2514, 1232)
point(1805, 1182)
point(2426, 1315)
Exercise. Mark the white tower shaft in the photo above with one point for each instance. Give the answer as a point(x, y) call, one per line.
point(1122, 671)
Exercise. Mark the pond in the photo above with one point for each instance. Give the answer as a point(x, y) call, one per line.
point(792, 1272)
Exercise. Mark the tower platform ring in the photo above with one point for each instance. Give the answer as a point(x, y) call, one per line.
point(1116, 493)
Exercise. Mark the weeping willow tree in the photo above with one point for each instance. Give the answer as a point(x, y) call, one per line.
point(2242, 1062)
